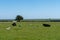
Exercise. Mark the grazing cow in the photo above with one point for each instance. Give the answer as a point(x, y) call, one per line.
point(46, 25)
point(14, 24)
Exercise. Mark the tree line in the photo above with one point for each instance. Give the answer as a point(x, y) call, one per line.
point(21, 18)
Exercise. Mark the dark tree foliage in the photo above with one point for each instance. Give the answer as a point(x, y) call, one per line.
point(19, 18)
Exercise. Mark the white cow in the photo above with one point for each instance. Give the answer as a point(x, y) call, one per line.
point(8, 28)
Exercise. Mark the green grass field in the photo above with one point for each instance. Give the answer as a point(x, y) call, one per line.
point(30, 31)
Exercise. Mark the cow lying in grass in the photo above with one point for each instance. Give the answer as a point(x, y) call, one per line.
point(8, 28)
point(46, 25)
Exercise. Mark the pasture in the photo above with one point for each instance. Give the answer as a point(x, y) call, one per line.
point(30, 31)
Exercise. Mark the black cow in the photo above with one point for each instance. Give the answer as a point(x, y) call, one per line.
point(46, 25)
point(13, 24)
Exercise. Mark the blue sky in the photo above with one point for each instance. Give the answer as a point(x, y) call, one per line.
point(29, 9)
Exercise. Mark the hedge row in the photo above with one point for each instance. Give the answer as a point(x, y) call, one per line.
point(44, 20)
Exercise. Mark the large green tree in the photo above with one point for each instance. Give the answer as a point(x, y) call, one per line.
point(19, 18)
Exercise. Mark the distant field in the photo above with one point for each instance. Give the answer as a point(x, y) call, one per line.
point(30, 31)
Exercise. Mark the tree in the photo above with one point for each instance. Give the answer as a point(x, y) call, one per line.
point(19, 18)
